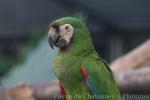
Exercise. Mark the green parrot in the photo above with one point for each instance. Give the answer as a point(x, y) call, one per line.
point(83, 75)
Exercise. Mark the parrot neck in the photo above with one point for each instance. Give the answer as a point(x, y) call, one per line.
point(81, 44)
point(79, 47)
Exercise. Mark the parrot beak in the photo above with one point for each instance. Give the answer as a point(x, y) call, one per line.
point(51, 43)
point(53, 37)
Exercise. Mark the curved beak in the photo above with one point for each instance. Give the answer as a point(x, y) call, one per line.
point(51, 43)
point(53, 38)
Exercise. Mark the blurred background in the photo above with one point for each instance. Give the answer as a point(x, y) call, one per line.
point(117, 26)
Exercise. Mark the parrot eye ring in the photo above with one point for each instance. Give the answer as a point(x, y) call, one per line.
point(66, 27)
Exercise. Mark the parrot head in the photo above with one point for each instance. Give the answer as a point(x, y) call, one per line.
point(60, 35)
point(66, 32)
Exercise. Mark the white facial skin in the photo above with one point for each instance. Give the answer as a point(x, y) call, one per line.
point(66, 32)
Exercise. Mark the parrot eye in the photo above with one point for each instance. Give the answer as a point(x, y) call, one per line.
point(67, 27)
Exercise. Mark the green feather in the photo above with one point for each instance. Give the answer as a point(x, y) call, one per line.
point(81, 52)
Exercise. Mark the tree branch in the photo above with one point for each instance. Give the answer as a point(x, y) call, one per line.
point(134, 80)
point(138, 57)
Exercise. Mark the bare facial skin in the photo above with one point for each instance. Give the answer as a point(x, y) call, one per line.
point(66, 32)
point(60, 36)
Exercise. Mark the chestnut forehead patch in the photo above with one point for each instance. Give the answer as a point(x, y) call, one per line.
point(55, 26)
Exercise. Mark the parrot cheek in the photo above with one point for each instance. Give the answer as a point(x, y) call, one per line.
point(61, 43)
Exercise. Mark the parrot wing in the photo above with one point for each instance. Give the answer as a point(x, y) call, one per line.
point(89, 82)
point(100, 80)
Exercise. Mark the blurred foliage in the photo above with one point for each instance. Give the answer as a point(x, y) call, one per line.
point(7, 61)
point(31, 43)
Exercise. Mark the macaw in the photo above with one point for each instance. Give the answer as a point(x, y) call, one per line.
point(82, 73)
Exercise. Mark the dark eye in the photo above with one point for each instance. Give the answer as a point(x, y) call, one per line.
point(67, 27)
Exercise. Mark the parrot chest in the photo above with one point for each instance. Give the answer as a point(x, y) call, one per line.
point(64, 68)
point(68, 70)
point(69, 74)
